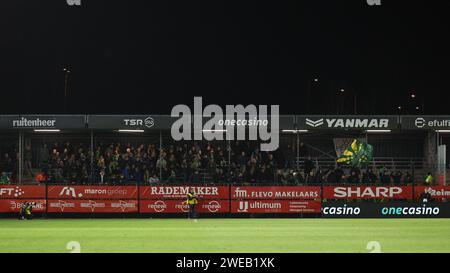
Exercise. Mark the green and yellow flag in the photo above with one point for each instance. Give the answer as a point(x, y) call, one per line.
point(357, 155)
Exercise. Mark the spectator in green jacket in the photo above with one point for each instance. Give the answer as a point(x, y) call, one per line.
point(4, 179)
point(429, 179)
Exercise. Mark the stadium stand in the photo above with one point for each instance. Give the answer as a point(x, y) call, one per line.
point(154, 157)
point(131, 161)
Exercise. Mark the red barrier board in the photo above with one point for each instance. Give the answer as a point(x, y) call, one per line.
point(276, 192)
point(177, 206)
point(177, 192)
point(13, 205)
point(275, 206)
point(18, 192)
point(92, 206)
point(367, 192)
point(92, 192)
point(437, 192)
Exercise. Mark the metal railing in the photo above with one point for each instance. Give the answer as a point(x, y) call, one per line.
point(388, 162)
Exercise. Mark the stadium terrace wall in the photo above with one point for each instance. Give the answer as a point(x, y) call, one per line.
point(222, 200)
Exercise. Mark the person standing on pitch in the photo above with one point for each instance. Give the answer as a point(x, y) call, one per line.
point(425, 196)
point(192, 202)
point(26, 211)
point(22, 211)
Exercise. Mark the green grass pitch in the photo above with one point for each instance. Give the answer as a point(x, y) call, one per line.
point(225, 235)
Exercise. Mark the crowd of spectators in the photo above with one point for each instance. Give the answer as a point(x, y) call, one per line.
point(8, 165)
point(194, 162)
point(337, 175)
point(189, 162)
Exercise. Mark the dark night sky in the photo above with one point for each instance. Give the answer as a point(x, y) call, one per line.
point(147, 56)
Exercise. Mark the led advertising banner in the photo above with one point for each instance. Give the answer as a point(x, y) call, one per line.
point(131, 122)
point(338, 122)
point(339, 209)
point(14, 205)
point(425, 122)
point(20, 192)
point(92, 206)
point(43, 122)
point(367, 192)
point(275, 192)
point(179, 206)
point(275, 206)
point(181, 191)
point(92, 192)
